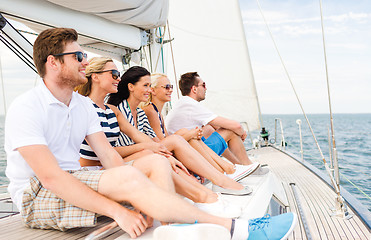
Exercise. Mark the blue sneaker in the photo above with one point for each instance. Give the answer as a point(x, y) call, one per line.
point(272, 228)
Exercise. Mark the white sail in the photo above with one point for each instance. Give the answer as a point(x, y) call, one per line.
point(209, 38)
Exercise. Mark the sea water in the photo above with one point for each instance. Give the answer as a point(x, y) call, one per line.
point(352, 137)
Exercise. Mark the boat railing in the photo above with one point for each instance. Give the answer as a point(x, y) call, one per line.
point(282, 143)
point(298, 121)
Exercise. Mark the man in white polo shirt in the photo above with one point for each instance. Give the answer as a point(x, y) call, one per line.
point(225, 137)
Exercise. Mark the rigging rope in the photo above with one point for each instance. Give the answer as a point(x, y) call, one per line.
point(172, 58)
point(297, 97)
point(334, 155)
point(161, 37)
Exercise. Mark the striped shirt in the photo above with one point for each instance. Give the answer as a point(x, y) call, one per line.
point(142, 124)
point(110, 127)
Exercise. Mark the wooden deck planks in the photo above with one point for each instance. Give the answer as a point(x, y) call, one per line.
point(13, 228)
point(316, 198)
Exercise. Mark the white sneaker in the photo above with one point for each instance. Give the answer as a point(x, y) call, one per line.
point(261, 171)
point(245, 191)
point(240, 229)
point(243, 171)
point(199, 231)
point(220, 208)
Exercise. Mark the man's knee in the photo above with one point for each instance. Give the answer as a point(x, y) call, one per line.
point(121, 178)
point(159, 161)
point(226, 134)
point(152, 163)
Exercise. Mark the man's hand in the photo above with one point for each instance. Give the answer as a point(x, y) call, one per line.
point(131, 222)
point(243, 136)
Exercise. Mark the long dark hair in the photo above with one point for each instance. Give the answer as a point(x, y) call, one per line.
point(132, 75)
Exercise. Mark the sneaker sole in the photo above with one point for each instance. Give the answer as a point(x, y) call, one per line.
point(200, 231)
point(239, 178)
point(294, 222)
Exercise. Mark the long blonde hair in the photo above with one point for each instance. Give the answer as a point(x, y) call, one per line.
point(96, 64)
point(154, 81)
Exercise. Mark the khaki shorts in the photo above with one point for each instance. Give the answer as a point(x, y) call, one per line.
point(43, 209)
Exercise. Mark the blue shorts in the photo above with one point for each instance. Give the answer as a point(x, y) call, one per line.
point(216, 143)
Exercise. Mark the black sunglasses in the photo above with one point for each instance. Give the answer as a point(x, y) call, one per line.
point(79, 55)
point(203, 85)
point(114, 72)
point(168, 86)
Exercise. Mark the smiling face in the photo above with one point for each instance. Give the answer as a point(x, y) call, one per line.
point(105, 79)
point(162, 91)
point(72, 73)
point(141, 89)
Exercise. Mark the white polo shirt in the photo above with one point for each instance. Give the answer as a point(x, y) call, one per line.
point(38, 118)
point(188, 113)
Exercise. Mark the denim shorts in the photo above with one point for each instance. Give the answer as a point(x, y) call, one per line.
point(216, 143)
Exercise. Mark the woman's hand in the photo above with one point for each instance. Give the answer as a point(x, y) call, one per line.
point(196, 133)
point(176, 165)
point(159, 149)
point(200, 133)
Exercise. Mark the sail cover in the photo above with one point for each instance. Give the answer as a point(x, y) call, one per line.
point(209, 39)
point(145, 14)
point(106, 27)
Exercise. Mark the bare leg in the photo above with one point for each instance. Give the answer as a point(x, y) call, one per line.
point(184, 184)
point(196, 145)
point(208, 130)
point(193, 190)
point(226, 166)
point(128, 184)
point(156, 169)
point(137, 155)
point(231, 157)
point(196, 163)
point(236, 146)
point(207, 153)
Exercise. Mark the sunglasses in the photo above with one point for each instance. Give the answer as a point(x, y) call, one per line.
point(79, 55)
point(114, 72)
point(203, 85)
point(168, 86)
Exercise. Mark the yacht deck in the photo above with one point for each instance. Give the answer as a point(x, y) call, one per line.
point(302, 187)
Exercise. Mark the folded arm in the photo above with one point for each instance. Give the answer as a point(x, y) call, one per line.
point(221, 122)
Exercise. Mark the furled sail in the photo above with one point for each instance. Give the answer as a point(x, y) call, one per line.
point(105, 27)
point(209, 38)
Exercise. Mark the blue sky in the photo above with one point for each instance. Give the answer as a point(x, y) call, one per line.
point(297, 31)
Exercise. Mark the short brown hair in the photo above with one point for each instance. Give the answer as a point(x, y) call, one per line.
point(187, 81)
point(49, 42)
